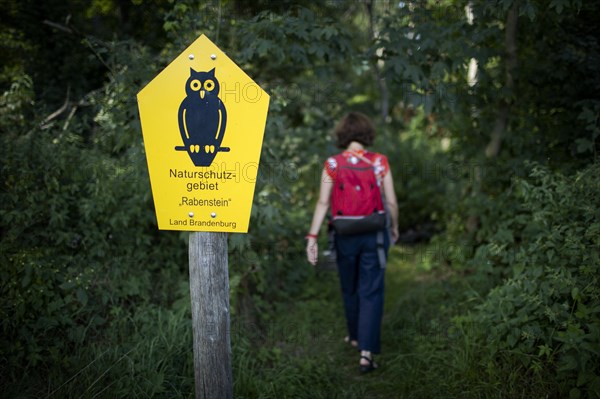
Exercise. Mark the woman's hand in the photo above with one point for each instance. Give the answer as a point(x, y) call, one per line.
point(395, 234)
point(312, 250)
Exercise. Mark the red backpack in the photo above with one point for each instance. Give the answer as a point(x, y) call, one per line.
point(356, 203)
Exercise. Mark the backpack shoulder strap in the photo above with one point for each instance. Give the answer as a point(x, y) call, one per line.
point(362, 157)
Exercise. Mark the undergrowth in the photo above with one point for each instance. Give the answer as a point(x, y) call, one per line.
point(298, 351)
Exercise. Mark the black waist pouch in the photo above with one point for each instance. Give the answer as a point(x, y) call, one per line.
point(348, 225)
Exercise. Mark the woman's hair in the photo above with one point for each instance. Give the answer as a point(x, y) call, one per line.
point(355, 126)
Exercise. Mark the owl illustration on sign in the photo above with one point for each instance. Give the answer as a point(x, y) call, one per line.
point(202, 118)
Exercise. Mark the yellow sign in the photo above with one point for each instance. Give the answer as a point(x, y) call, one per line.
point(203, 121)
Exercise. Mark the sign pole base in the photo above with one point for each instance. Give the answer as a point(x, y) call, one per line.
point(209, 291)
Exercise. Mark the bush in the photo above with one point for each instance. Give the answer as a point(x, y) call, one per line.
point(78, 241)
point(422, 171)
point(547, 314)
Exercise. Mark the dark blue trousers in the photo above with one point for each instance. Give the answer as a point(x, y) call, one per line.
point(362, 283)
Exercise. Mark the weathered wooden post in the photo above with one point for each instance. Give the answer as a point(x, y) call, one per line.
point(209, 289)
point(203, 121)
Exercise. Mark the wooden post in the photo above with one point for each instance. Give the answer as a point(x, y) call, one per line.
point(209, 289)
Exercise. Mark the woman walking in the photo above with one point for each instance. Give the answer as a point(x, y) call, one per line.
point(354, 183)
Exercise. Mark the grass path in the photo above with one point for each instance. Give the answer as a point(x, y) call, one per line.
point(303, 353)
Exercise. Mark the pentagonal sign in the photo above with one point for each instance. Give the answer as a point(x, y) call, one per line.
point(203, 121)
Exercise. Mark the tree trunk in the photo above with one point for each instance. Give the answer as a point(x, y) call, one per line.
point(500, 125)
point(472, 68)
point(510, 41)
point(209, 289)
point(383, 89)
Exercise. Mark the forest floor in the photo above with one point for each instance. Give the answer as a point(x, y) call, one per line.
point(302, 352)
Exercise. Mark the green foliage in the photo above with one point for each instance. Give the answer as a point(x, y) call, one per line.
point(590, 114)
point(15, 103)
point(422, 170)
point(424, 50)
point(292, 40)
point(89, 243)
point(547, 315)
point(43, 300)
point(78, 235)
point(149, 356)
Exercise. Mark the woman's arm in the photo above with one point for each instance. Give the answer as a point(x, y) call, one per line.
point(312, 250)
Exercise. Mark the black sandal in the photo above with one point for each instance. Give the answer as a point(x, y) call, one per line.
point(365, 368)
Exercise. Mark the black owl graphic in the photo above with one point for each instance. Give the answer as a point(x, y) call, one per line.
point(202, 118)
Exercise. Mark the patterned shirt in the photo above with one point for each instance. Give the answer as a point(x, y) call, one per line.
point(380, 162)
